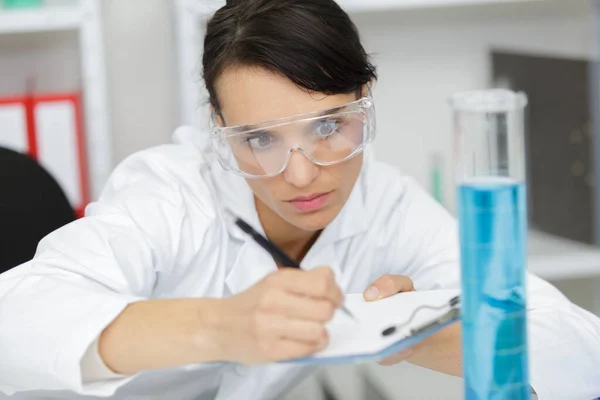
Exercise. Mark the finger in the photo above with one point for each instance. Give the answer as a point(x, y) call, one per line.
point(298, 307)
point(388, 285)
point(303, 331)
point(271, 326)
point(324, 282)
point(397, 358)
point(319, 283)
point(285, 349)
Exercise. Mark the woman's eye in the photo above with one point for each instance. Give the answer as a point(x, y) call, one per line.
point(260, 141)
point(327, 128)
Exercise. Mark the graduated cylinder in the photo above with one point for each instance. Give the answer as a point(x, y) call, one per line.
point(490, 162)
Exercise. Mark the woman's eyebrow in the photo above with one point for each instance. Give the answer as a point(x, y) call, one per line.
point(260, 132)
point(316, 114)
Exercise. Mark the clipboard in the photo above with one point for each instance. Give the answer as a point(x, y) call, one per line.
point(416, 316)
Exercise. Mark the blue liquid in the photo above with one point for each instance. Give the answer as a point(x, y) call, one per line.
point(493, 255)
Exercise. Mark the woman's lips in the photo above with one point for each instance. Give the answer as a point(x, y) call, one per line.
point(310, 203)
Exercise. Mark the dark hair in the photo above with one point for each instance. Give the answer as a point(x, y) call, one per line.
point(314, 43)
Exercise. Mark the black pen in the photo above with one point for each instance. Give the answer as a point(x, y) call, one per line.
point(271, 248)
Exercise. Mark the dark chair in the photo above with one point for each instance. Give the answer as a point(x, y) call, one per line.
point(32, 205)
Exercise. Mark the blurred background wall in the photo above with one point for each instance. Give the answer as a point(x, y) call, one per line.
point(141, 73)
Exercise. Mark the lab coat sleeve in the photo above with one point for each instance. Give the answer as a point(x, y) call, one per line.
point(93, 367)
point(83, 275)
point(564, 339)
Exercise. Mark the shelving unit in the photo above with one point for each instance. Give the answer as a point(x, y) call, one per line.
point(84, 18)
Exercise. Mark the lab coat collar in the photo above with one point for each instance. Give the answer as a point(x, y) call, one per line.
point(229, 190)
point(251, 263)
point(235, 194)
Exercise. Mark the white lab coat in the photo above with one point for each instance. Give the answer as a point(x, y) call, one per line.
point(157, 232)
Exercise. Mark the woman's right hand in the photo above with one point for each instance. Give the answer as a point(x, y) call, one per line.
point(281, 317)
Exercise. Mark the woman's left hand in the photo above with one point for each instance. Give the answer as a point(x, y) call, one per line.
point(441, 352)
point(386, 286)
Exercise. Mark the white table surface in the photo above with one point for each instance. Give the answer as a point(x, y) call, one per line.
point(405, 381)
point(555, 258)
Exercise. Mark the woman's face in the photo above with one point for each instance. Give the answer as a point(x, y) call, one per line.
point(306, 195)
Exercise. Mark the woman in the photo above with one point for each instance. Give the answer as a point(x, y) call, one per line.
point(155, 293)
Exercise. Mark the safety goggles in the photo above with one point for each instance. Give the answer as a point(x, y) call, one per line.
point(324, 137)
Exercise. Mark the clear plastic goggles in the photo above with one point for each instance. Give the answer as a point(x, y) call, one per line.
point(324, 137)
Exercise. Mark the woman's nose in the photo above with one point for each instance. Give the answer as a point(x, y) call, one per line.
point(300, 171)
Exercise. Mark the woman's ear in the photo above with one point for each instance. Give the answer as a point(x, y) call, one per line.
point(219, 120)
point(371, 85)
point(368, 88)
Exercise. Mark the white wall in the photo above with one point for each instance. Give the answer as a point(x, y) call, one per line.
point(141, 73)
point(52, 59)
point(425, 55)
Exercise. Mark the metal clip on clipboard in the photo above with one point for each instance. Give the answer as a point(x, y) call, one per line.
point(451, 314)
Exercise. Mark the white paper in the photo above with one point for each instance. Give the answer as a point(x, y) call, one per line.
point(13, 127)
point(57, 146)
point(364, 336)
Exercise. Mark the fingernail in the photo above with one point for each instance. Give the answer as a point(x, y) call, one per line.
point(372, 293)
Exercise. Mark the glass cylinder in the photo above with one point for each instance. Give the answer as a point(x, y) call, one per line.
point(490, 167)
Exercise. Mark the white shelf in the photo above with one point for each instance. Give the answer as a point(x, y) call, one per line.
point(43, 19)
point(84, 17)
point(555, 258)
